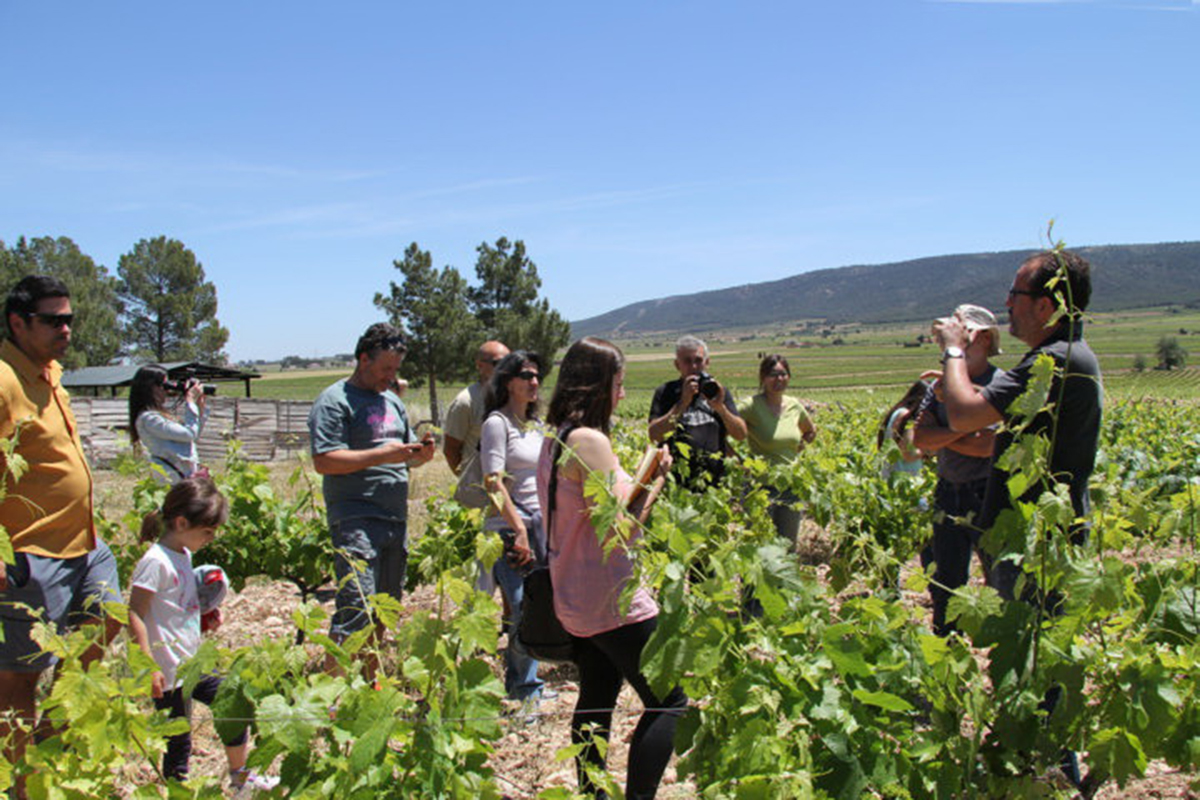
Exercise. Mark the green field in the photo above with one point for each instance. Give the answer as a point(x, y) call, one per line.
point(869, 359)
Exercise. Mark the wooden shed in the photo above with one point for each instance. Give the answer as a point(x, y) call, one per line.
point(92, 381)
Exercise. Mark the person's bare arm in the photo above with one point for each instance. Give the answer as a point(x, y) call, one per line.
point(808, 430)
point(592, 453)
point(929, 436)
point(139, 609)
point(661, 426)
point(452, 448)
point(346, 461)
point(493, 482)
point(966, 406)
point(735, 426)
point(979, 444)
point(426, 452)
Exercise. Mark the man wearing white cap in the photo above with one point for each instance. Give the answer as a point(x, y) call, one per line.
point(964, 464)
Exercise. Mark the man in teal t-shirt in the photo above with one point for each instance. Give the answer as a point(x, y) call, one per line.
point(363, 445)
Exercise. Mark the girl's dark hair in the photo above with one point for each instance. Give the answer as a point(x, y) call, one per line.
point(496, 392)
point(583, 393)
point(146, 393)
point(912, 401)
point(768, 365)
point(195, 499)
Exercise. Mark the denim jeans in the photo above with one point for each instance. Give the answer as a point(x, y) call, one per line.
point(372, 558)
point(520, 669)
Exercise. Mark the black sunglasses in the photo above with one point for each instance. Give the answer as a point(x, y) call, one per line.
point(527, 375)
point(53, 320)
point(1014, 292)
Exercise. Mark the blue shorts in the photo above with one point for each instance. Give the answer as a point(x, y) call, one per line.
point(59, 591)
point(372, 558)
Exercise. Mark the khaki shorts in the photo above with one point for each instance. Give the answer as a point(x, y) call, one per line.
point(59, 591)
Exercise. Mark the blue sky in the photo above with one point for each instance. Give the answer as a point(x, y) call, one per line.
point(640, 149)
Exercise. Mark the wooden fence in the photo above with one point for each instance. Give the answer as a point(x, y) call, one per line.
point(269, 430)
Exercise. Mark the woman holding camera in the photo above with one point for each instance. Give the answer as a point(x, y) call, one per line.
point(170, 441)
point(898, 424)
point(509, 445)
point(778, 428)
point(609, 636)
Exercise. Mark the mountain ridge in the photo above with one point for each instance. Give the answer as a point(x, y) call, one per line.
point(1124, 276)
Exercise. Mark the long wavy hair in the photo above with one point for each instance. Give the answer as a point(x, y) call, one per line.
point(583, 395)
point(146, 393)
point(911, 401)
point(496, 392)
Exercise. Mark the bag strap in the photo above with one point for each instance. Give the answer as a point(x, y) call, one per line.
point(555, 452)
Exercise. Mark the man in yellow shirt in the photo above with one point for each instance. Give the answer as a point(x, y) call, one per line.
point(60, 572)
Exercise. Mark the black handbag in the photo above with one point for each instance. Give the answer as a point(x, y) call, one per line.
point(540, 632)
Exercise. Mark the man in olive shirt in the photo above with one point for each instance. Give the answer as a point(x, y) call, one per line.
point(60, 569)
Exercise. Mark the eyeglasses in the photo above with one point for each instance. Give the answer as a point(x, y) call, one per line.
point(53, 320)
point(527, 375)
point(1014, 292)
point(778, 374)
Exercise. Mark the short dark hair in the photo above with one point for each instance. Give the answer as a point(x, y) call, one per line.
point(583, 391)
point(496, 392)
point(197, 499)
point(768, 364)
point(24, 297)
point(1078, 289)
point(380, 337)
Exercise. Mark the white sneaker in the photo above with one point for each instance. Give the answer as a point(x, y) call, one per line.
point(247, 782)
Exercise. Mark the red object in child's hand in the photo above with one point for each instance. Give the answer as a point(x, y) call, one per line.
point(210, 620)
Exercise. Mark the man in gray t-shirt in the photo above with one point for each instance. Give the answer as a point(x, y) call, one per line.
point(963, 466)
point(363, 445)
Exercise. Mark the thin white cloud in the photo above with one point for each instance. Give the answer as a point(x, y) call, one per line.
point(393, 216)
point(80, 158)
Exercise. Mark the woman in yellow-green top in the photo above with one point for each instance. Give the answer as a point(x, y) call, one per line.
point(779, 428)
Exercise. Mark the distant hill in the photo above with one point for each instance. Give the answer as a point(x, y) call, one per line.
point(1125, 276)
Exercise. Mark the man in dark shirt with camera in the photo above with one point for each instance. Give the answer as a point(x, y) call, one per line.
point(693, 415)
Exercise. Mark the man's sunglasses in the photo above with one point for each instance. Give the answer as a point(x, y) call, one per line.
point(1014, 292)
point(53, 320)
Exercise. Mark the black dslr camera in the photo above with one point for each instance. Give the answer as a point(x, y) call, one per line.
point(708, 385)
point(180, 387)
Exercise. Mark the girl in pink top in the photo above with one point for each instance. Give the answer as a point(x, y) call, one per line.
point(588, 586)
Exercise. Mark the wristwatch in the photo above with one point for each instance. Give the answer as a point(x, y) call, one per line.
point(952, 352)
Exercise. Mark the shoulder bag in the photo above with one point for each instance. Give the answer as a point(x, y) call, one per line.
point(540, 632)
